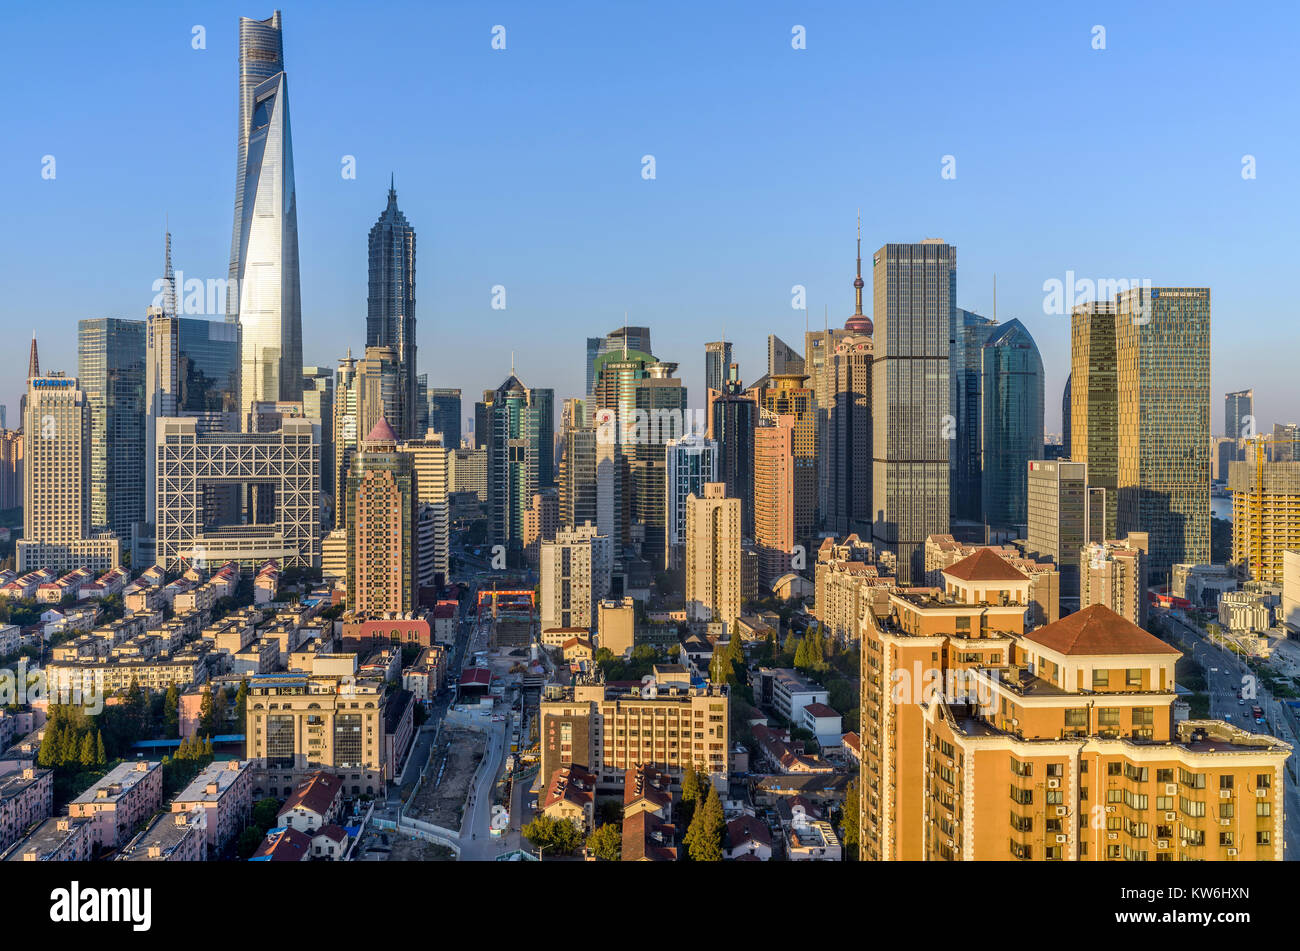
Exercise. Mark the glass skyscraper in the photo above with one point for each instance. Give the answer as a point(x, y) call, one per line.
point(965, 470)
point(264, 249)
point(913, 425)
point(717, 357)
point(390, 305)
point(444, 415)
point(111, 372)
point(1093, 413)
point(1011, 430)
point(1238, 413)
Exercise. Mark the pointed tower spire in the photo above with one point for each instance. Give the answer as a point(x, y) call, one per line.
point(169, 277)
point(33, 361)
point(859, 323)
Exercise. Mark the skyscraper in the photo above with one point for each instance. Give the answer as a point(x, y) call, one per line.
point(444, 415)
point(779, 487)
point(430, 461)
point(56, 481)
point(690, 462)
point(111, 372)
point(624, 338)
point(1094, 417)
point(1162, 356)
point(575, 577)
point(713, 556)
point(1011, 430)
point(915, 292)
point(382, 505)
point(514, 452)
point(717, 357)
point(378, 381)
point(1058, 509)
point(264, 293)
point(661, 397)
point(390, 305)
point(847, 453)
point(734, 417)
point(1239, 415)
point(782, 358)
point(967, 486)
point(345, 422)
point(318, 404)
point(1066, 435)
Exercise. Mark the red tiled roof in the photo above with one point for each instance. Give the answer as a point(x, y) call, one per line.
point(476, 677)
point(640, 842)
point(284, 845)
point(746, 829)
point(577, 642)
point(821, 710)
point(332, 831)
point(1098, 630)
point(984, 565)
point(316, 794)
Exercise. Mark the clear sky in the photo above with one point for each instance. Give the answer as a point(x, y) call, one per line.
point(523, 168)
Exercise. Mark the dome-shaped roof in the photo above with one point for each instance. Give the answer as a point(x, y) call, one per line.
point(860, 324)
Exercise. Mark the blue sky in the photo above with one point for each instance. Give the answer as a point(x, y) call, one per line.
point(522, 168)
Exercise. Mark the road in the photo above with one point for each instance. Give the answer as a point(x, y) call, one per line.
point(1225, 674)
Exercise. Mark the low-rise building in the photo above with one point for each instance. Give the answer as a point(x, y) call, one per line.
point(60, 839)
point(316, 802)
point(786, 692)
point(748, 838)
point(26, 797)
point(128, 794)
point(647, 838)
point(223, 794)
point(284, 845)
point(571, 794)
point(171, 837)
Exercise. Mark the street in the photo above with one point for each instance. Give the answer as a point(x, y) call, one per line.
point(1225, 674)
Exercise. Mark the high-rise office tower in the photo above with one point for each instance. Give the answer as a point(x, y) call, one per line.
point(847, 455)
point(783, 491)
point(717, 357)
point(576, 473)
point(629, 339)
point(1162, 356)
point(1066, 435)
point(514, 453)
point(575, 577)
point(421, 404)
point(689, 463)
point(1057, 517)
point(444, 415)
point(264, 293)
point(915, 291)
point(660, 401)
point(278, 519)
point(734, 417)
point(1094, 414)
point(1011, 430)
point(345, 423)
point(789, 395)
point(1239, 414)
point(430, 463)
point(967, 483)
point(1285, 445)
point(782, 359)
point(819, 348)
point(378, 383)
point(713, 556)
point(111, 372)
point(318, 404)
point(469, 472)
point(57, 530)
point(11, 469)
point(382, 506)
point(390, 305)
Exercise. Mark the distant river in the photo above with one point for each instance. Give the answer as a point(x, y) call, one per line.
point(1221, 507)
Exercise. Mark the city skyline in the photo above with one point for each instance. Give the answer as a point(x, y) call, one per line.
point(486, 231)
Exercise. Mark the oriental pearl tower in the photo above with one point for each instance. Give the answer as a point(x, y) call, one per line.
point(859, 323)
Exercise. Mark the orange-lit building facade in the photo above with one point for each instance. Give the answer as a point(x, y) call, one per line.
point(984, 741)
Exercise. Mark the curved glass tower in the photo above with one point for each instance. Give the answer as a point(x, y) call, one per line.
point(1011, 397)
point(264, 259)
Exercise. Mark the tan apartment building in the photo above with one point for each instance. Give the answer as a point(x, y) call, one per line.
point(1114, 573)
point(223, 794)
point(26, 797)
point(60, 839)
point(610, 730)
point(171, 837)
point(127, 795)
point(1265, 513)
point(713, 562)
point(1057, 743)
point(298, 724)
point(616, 625)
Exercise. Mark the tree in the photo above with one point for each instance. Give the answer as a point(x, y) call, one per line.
point(606, 843)
point(241, 705)
point(249, 840)
point(266, 813)
point(207, 712)
point(172, 712)
point(703, 839)
point(559, 836)
point(86, 755)
point(849, 819)
point(101, 760)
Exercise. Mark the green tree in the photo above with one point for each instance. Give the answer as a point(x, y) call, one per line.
point(241, 705)
point(249, 840)
point(703, 839)
point(101, 759)
point(172, 712)
point(849, 819)
point(266, 813)
point(86, 755)
point(606, 843)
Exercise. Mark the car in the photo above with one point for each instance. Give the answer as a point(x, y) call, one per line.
point(1241, 701)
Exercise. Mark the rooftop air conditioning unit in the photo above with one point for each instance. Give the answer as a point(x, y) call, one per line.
point(1053, 784)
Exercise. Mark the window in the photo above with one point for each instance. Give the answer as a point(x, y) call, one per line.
point(1263, 781)
point(1100, 678)
point(1133, 677)
point(1263, 809)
